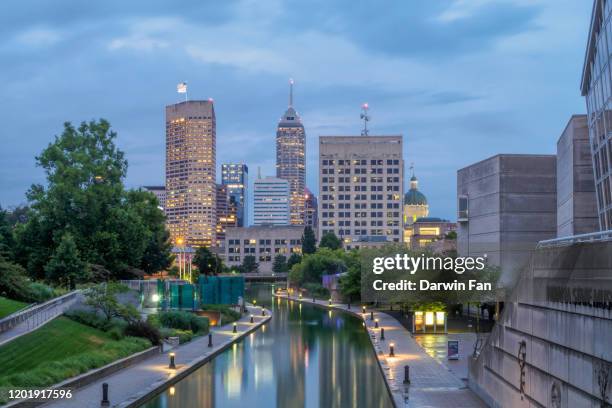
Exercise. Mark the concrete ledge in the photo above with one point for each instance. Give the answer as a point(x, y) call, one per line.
point(90, 376)
point(158, 387)
point(394, 396)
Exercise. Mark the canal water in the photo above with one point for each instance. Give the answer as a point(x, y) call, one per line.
point(303, 357)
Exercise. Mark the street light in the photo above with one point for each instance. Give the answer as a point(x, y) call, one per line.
point(155, 297)
point(392, 350)
point(172, 365)
point(235, 328)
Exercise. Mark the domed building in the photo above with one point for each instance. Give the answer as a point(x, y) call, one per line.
point(415, 202)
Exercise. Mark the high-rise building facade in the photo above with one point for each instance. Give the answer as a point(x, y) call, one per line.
point(271, 201)
point(159, 192)
point(190, 173)
point(226, 213)
point(291, 158)
point(311, 209)
point(236, 177)
point(597, 88)
point(361, 188)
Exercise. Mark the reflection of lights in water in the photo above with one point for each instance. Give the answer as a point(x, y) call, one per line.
point(171, 391)
point(233, 380)
point(263, 328)
point(329, 313)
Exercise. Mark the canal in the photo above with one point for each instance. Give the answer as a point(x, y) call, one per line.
point(304, 357)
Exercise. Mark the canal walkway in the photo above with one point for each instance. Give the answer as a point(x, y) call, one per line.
point(134, 384)
point(431, 383)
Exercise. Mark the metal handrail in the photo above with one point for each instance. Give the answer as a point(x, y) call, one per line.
point(600, 236)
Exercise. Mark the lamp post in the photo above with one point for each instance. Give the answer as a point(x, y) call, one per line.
point(330, 302)
point(376, 323)
point(363, 309)
point(234, 331)
point(371, 315)
point(382, 333)
point(172, 365)
point(392, 350)
point(251, 318)
point(263, 311)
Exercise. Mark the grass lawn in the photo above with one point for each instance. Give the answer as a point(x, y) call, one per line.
point(8, 306)
point(60, 349)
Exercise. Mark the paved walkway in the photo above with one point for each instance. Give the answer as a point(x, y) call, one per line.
point(41, 317)
point(131, 383)
point(431, 383)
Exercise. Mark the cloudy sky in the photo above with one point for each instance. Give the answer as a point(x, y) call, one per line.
point(461, 79)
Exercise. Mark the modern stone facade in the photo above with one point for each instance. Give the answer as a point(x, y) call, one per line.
point(361, 182)
point(597, 88)
point(263, 242)
point(576, 203)
point(191, 173)
point(550, 348)
point(507, 203)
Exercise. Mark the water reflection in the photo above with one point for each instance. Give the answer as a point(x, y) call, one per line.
point(306, 357)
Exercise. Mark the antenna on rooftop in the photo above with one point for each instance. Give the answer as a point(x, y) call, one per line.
point(366, 118)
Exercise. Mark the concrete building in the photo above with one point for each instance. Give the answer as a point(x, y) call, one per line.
point(361, 188)
point(597, 88)
point(271, 201)
point(415, 202)
point(427, 230)
point(507, 203)
point(291, 158)
point(576, 202)
point(236, 177)
point(263, 242)
point(191, 172)
point(160, 193)
point(311, 208)
point(226, 213)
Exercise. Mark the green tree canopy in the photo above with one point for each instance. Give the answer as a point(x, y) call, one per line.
point(7, 241)
point(280, 264)
point(294, 258)
point(249, 264)
point(309, 242)
point(208, 263)
point(331, 241)
point(65, 265)
point(84, 196)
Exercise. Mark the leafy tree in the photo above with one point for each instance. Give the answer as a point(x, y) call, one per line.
point(103, 298)
point(314, 266)
point(249, 264)
point(309, 242)
point(294, 258)
point(19, 215)
point(350, 283)
point(7, 241)
point(14, 283)
point(84, 195)
point(65, 265)
point(331, 241)
point(208, 262)
point(280, 264)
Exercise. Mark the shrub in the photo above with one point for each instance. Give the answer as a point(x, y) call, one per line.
point(316, 289)
point(88, 318)
point(39, 292)
point(183, 335)
point(176, 320)
point(116, 333)
point(143, 329)
point(199, 324)
point(153, 320)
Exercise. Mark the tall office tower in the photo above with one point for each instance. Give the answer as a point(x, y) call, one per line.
point(597, 88)
point(236, 177)
point(310, 209)
point(271, 201)
point(290, 158)
point(190, 173)
point(226, 213)
point(361, 189)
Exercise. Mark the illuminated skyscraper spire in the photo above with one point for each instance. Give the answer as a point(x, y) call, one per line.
point(291, 92)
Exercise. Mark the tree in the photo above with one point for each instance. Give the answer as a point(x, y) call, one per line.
point(65, 265)
point(295, 258)
point(7, 241)
point(350, 283)
point(103, 298)
point(280, 264)
point(249, 264)
point(331, 241)
point(309, 242)
point(14, 283)
point(84, 196)
point(208, 263)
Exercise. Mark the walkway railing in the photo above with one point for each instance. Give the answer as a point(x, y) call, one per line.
point(42, 312)
point(573, 239)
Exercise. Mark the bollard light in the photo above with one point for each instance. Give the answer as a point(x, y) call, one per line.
point(349, 306)
point(376, 323)
point(363, 309)
point(392, 350)
point(300, 295)
point(251, 318)
point(105, 401)
point(172, 365)
point(371, 315)
point(234, 328)
point(382, 333)
point(406, 374)
point(330, 301)
point(209, 339)
point(254, 301)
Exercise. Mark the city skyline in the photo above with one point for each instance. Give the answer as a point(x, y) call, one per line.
point(463, 88)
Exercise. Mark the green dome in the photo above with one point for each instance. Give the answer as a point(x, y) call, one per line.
point(414, 197)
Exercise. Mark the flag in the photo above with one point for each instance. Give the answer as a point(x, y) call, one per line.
point(181, 87)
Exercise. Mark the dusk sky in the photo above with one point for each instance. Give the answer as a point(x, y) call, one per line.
point(462, 80)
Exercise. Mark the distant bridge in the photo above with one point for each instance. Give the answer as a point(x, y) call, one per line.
point(265, 277)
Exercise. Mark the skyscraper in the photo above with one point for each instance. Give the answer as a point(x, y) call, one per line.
point(226, 213)
point(271, 201)
point(236, 177)
point(311, 209)
point(190, 173)
point(290, 158)
point(361, 188)
point(597, 88)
